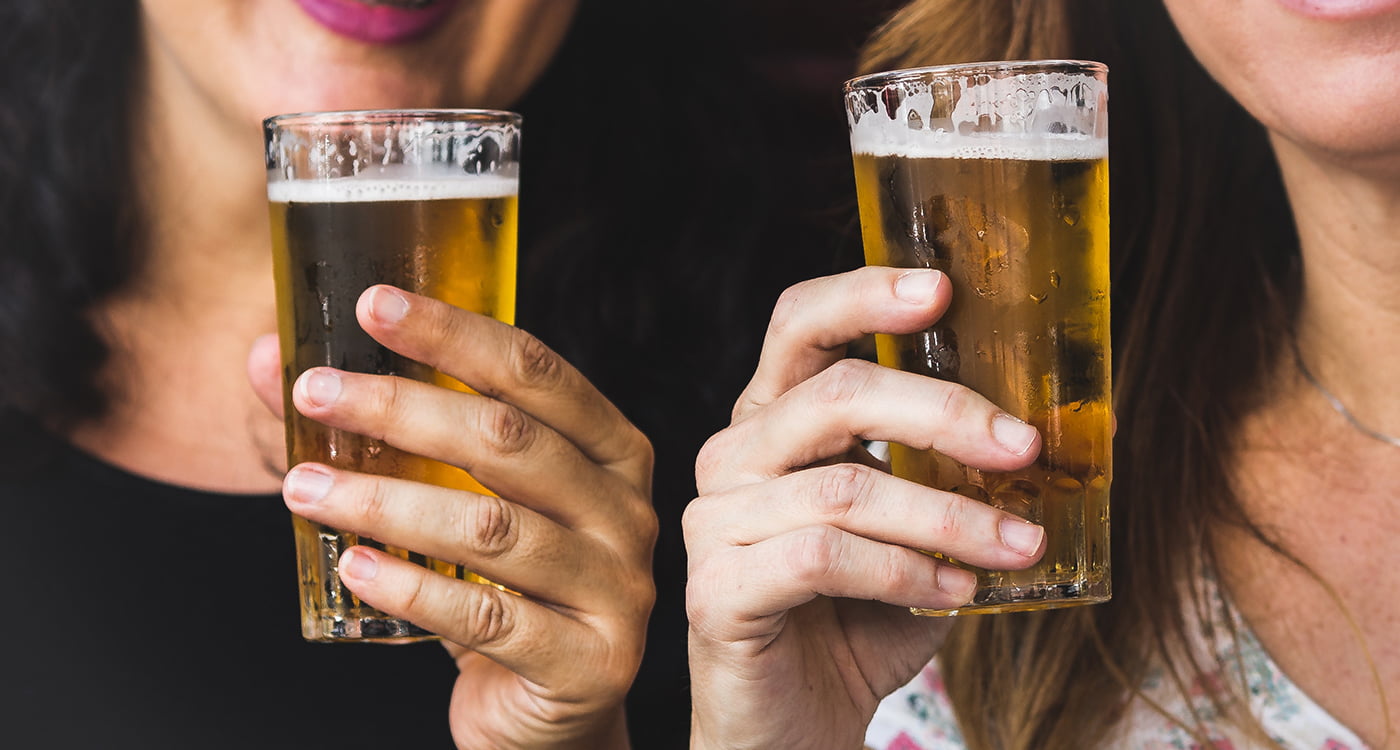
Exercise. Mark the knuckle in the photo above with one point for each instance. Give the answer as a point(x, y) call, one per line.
point(506, 429)
point(696, 520)
point(641, 594)
point(642, 445)
point(635, 527)
point(491, 528)
point(843, 382)
point(840, 489)
point(487, 618)
point(742, 406)
point(894, 574)
point(700, 602)
point(444, 322)
point(953, 520)
point(813, 554)
point(711, 460)
point(369, 501)
point(638, 445)
point(533, 363)
point(786, 309)
point(414, 600)
point(696, 607)
point(389, 403)
point(952, 401)
point(648, 526)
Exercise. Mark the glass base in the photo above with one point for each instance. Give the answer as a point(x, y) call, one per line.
point(369, 627)
point(1028, 598)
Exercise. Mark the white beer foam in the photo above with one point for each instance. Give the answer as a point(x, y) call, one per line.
point(913, 133)
point(368, 189)
point(944, 145)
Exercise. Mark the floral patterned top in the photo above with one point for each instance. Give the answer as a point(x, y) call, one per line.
point(918, 716)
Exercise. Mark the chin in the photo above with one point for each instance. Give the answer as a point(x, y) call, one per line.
point(1349, 113)
point(353, 92)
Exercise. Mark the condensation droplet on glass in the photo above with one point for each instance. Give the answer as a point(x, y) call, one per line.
point(373, 450)
point(1055, 279)
point(1038, 298)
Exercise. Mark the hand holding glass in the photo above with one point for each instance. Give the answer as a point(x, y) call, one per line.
point(422, 200)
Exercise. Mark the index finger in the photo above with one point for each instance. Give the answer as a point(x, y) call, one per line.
point(503, 362)
point(814, 321)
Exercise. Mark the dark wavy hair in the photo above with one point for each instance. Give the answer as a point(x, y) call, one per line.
point(668, 195)
point(67, 218)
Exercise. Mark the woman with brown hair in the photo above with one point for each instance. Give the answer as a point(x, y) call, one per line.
point(1256, 179)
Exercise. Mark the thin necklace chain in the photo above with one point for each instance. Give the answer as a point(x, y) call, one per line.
point(1337, 404)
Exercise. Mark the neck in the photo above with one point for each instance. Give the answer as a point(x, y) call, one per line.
point(1349, 321)
point(183, 411)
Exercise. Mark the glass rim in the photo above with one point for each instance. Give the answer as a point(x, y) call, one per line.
point(350, 117)
point(884, 78)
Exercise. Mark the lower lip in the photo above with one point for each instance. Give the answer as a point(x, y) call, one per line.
point(375, 24)
point(1340, 10)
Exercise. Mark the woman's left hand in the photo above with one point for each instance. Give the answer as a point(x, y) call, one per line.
point(572, 530)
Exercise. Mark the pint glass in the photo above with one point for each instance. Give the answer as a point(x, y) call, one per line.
point(422, 200)
point(997, 175)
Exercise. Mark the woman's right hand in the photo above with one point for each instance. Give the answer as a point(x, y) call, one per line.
point(797, 528)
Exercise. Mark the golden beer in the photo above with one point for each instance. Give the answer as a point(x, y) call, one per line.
point(1020, 225)
point(446, 231)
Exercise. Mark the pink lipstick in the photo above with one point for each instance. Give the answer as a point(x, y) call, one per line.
point(1341, 10)
point(377, 22)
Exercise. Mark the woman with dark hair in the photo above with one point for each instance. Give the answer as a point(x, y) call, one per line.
point(153, 602)
point(1256, 178)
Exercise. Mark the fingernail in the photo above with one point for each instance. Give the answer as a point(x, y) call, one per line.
point(1013, 434)
point(956, 582)
point(357, 564)
point(917, 286)
point(321, 387)
point(307, 484)
point(387, 305)
point(1023, 537)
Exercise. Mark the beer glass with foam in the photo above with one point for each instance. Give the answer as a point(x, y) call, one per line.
point(997, 175)
point(422, 200)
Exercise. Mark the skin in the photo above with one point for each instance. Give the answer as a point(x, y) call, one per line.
point(786, 651)
point(801, 567)
point(546, 669)
point(1340, 157)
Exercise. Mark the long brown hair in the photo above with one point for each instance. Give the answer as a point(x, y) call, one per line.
point(1205, 288)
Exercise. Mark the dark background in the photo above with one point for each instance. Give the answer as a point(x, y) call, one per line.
point(683, 164)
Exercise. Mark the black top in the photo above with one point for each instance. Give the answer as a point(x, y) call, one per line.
point(135, 614)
